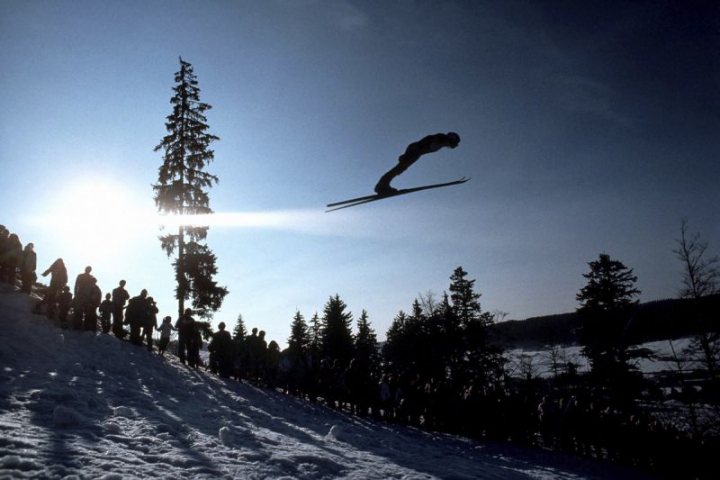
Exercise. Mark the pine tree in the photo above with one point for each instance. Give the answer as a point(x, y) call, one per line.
point(610, 286)
point(473, 357)
point(182, 190)
point(299, 336)
point(607, 306)
point(337, 341)
point(393, 351)
point(316, 328)
point(366, 346)
point(465, 301)
point(423, 342)
point(240, 331)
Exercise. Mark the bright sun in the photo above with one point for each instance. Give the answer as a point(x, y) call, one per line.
point(97, 217)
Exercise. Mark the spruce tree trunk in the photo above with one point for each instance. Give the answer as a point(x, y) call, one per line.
point(179, 272)
point(181, 231)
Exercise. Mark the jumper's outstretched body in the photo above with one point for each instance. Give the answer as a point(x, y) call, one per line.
point(429, 144)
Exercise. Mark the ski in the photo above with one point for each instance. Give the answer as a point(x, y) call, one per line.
point(372, 198)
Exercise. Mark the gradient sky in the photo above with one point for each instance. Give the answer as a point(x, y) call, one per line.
point(586, 127)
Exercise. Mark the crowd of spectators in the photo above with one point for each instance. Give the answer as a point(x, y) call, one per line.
point(77, 308)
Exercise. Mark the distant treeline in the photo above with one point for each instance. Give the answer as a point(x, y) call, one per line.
point(653, 321)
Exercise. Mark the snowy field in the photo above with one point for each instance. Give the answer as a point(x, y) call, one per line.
point(540, 362)
point(80, 405)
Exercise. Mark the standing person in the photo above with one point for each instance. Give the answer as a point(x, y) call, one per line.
point(260, 355)
point(272, 364)
point(64, 301)
point(119, 297)
point(106, 308)
point(166, 329)
point(250, 352)
point(136, 315)
point(81, 296)
point(58, 280)
point(195, 344)
point(11, 259)
point(150, 324)
point(222, 350)
point(4, 237)
point(547, 416)
point(185, 327)
point(91, 306)
point(28, 264)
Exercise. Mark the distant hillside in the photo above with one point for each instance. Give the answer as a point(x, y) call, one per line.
point(656, 320)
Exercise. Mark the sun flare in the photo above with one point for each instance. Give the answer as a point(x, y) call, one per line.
point(98, 217)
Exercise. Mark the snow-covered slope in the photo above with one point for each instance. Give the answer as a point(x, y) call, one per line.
point(91, 406)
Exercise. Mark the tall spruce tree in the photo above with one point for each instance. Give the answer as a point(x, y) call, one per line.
point(607, 306)
point(316, 328)
point(474, 357)
point(366, 345)
point(416, 343)
point(465, 301)
point(337, 341)
point(299, 336)
point(182, 190)
point(240, 331)
point(394, 352)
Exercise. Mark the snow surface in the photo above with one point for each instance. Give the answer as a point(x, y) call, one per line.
point(661, 361)
point(83, 405)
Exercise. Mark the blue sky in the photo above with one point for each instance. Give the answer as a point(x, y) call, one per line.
point(585, 129)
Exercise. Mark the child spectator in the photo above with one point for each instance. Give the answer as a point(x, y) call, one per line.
point(64, 303)
point(106, 308)
point(166, 329)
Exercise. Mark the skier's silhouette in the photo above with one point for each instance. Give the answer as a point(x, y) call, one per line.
point(429, 144)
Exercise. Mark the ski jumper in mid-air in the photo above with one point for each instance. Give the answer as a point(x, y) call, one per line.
point(429, 144)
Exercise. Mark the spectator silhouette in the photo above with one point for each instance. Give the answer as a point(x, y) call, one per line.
point(64, 301)
point(222, 351)
point(4, 238)
point(91, 306)
point(150, 322)
point(12, 258)
point(185, 327)
point(82, 293)
point(136, 315)
point(28, 264)
point(106, 308)
point(166, 329)
point(119, 297)
point(58, 280)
